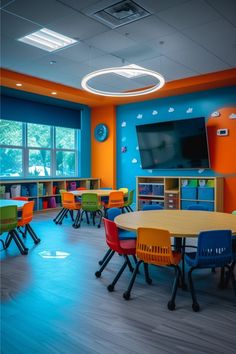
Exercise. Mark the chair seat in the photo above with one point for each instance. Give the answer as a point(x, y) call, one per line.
point(127, 235)
point(177, 256)
point(128, 245)
point(74, 206)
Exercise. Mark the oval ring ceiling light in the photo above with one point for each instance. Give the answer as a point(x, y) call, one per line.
point(117, 70)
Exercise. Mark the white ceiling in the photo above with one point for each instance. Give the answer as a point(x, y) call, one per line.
point(181, 38)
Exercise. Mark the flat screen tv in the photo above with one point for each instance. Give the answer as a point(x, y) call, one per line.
point(174, 144)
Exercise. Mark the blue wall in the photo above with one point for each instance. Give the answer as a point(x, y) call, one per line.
point(128, 116)
point(25, 110)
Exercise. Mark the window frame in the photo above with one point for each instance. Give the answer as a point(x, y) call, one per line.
point(53, 152)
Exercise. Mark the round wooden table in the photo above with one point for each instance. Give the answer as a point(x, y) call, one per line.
point(180, 223)
point(99, 192)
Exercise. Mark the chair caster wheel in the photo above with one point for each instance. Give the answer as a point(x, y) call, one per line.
point(36, 242)
point(75, 226)
point(60, 223)
point(25, 251)
point(100, 262)
point(149, 281)
point(195, 307)
point(110, 288)
point(126, 295)
point(97, 274)
point(99, 226)
point(171, 305)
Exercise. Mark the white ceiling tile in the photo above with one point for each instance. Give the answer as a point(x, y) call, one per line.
point(110, 41)
point(77, 26)
point(227, 8)
point(14, 53)
point(189, 14)
point(80, 52)
point(146, 29)
point(219, 37)
point(41, 12)
point(15, 27)
point(175, 41)
point(160, 5)
point(199, 60)
point(136, 53)
point(168, 68)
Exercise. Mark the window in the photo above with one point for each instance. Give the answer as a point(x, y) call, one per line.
point(36, 150)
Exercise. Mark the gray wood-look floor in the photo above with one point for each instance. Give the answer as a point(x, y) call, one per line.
point(58, 306)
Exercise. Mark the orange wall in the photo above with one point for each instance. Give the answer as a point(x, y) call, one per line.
point(223, 153)
point(104, 153)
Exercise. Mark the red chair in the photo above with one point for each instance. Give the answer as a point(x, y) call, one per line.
point(123, 247)
point(20, 198)
point(26, 218)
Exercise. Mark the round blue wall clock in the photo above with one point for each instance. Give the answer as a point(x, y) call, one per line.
point(101, 132)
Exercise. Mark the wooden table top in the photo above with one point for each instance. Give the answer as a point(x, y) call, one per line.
point(180, 223)
point(8, 202)
point(99, 192)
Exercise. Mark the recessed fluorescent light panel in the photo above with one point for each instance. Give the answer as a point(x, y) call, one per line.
point(129, 73)
point(47, 40)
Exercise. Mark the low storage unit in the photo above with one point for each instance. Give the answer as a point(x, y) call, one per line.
point(45, 193)
point(180, 192)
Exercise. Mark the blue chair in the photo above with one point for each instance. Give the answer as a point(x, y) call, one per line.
point(214, 250)
point(152, 207)
point(198, 207)
point(123, 235)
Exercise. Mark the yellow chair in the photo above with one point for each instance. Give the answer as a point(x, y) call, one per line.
point(154, 247)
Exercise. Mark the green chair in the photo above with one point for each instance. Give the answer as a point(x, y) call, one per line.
point(91, 204)
point(8, 223)
point(129, 201)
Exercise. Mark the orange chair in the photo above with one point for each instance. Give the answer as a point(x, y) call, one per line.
point(116, 200)
point(26, 218)
point(81, 189)
point(154, 247)
point(69, 204)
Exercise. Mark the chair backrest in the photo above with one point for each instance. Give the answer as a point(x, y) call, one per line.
point(116, 200)
point(27, 213)
point(8, 218)
point(112, 213)
point(154, 246)
point(20, 198)
point(198, 207)
point(130, 197)
point(124, 190)
point(90, 202)
point(214, 248)
point(67, 198)
point(152, 207)
point(112, 236)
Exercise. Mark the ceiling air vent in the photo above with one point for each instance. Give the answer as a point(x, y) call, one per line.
point(121, 13)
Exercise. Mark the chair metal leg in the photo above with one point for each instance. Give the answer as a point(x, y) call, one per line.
point(111, 286)
point(63, 215)
point(87, 217)
point(127, 293)
point(32, 233)
point(233, 277)
point(13, 235)
point(71, 215)
point(146, 272)
point(58, 215)
point(131, 268)
point(184, 284)
point(195, 305)
point(99, 272)
point(105, 257)
point(3, 244)
point(171, 303)
point(77, 220)
point(100, 220)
